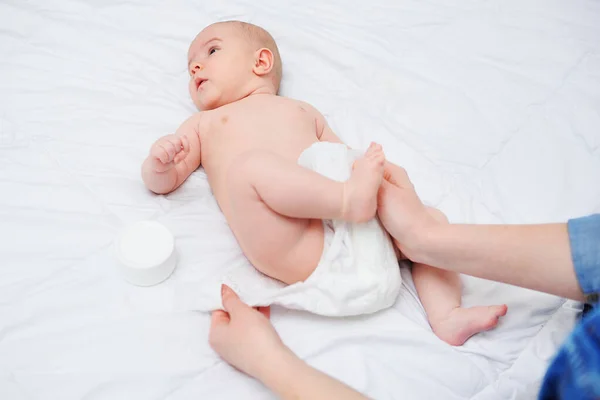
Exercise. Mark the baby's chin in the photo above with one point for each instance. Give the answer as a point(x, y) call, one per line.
point(199, 107)
point(207, 103)
point(202, 106)
point(202, 103)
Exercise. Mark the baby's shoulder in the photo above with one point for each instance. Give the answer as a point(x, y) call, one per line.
point(303, 106)
point(202, 118)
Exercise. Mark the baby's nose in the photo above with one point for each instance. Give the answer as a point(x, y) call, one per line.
point(195, 67)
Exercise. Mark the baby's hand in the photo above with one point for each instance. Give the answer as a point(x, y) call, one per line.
point(168, 151)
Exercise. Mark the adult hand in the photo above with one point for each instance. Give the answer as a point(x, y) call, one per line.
point(401, 211)
point(243, 336)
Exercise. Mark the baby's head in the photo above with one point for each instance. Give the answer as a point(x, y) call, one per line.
point(230, 60)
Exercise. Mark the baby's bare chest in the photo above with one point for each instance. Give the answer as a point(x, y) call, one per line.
point(286, 131)
point(232, 132)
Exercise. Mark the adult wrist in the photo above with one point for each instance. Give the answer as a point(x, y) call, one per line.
point(425, 241)
point(276, 369)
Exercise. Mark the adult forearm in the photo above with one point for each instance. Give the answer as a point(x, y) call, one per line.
point(292, 378)
point(532, 256)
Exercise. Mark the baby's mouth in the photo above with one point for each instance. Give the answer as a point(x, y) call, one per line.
point(199, 82)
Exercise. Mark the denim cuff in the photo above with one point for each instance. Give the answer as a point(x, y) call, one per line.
point(584, 237)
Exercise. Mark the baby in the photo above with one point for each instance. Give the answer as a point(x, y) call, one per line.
point(248, 139)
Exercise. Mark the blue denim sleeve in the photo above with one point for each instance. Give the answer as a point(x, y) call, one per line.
point(584, 237)
point(575, 372)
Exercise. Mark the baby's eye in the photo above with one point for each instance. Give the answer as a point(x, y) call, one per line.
point(212, 50)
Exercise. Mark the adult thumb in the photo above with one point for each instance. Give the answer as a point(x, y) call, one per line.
point(395, 175)
point(231, 301)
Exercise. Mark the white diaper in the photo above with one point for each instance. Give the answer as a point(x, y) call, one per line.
point(358, 272)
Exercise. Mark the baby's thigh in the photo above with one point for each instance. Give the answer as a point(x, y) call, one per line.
point(284, 248)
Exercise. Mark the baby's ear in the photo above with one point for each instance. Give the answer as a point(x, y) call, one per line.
point(263, 62)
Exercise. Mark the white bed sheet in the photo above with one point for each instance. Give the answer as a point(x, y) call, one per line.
point(492, 106)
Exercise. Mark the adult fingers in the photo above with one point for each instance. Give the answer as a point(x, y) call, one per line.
point(384, 190)
point(217, 333)
point(219, 317)
point(395, 174)
point(231, 301)
point(266, 311)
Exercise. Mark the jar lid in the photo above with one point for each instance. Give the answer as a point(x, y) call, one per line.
point(146, 253)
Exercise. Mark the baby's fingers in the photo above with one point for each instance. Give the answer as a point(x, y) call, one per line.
point(160, 166)
point(171, 147)
point(185, 149)
point(185, 144)
point(179, 157)
point(159, 153)
point(177, 142)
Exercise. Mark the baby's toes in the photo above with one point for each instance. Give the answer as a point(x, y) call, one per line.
point(377, 156)
point(499, 311)
point(372, 151)
point(378, 152)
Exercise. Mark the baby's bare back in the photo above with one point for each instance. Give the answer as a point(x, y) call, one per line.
point(276, 124)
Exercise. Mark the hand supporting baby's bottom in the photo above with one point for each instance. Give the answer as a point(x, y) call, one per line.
point(243, 336)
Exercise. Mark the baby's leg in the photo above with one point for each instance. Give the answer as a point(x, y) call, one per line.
point(298, 192)
point(276, 208)
point(440, 294)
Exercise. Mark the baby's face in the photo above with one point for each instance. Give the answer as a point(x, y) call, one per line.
point(220, 66)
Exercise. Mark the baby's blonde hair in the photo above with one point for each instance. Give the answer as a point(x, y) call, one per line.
point(260, 38)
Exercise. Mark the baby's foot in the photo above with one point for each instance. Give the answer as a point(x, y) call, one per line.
point(360, 191)
point(462, 323)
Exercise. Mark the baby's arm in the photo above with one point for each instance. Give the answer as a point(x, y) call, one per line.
point(173, 158)
point(322, 129)
point(324, 132)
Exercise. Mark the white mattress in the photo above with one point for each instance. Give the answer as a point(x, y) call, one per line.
point(492, 106)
